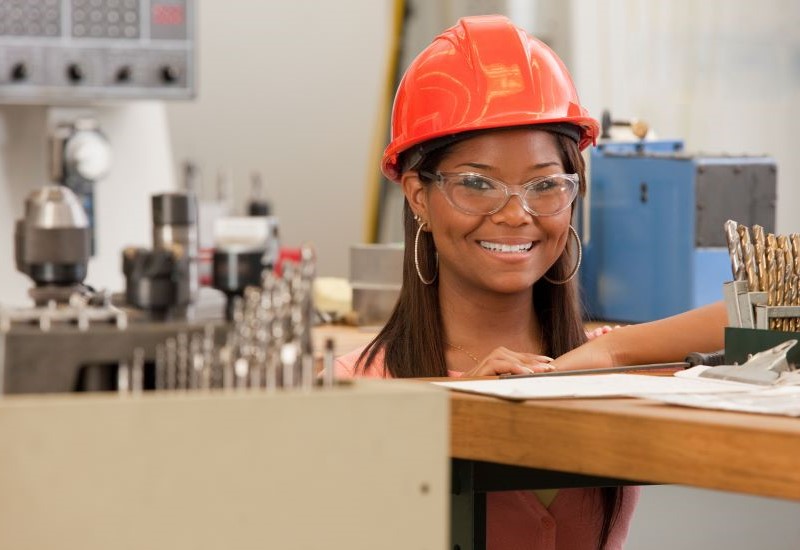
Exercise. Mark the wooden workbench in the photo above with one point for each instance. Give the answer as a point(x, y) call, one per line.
point(505, 445)
point(633, 439)
point(622, 438)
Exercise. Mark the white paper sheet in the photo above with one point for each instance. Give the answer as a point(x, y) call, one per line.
point(783, 400)
point(595, 385)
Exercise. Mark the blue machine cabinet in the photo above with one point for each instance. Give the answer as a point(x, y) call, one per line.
point(652, 226)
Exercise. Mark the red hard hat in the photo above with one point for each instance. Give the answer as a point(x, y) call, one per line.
point(482, 73)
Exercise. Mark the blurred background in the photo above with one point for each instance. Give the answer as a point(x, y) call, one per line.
point(300, 92)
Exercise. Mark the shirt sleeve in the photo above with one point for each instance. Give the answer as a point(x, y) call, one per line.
point(345, 366)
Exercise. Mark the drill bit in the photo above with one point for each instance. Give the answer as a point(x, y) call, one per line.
point(161, 368)
point(760, 256)
point(780, 283)
point(171, 364)
point(137, 371)
point(288, 362)
point(183, 360)
point(123, 378)
point(328, 366)
point(772, 281)
point(206, 378)
point(196, 360)
point(788, 273)
point(240, 370)
point(748, 256)
point(734, 250)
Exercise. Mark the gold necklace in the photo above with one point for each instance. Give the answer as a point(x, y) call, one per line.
point(471, 356)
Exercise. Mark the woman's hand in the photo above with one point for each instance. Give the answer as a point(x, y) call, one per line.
point(504, 361)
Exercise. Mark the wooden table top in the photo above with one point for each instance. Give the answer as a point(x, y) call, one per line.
point(633, 439)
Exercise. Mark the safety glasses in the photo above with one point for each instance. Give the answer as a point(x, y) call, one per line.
point(481, 195)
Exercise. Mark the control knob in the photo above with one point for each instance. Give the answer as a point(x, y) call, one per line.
point(170, 74)
point(19, 71)
point(75, 72)
point(124, 74)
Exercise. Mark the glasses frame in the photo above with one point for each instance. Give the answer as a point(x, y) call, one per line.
point(510, 190)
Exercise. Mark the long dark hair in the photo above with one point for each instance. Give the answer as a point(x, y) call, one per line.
point(413, 337)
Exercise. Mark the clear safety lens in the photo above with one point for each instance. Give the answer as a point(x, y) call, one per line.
point(481, 195)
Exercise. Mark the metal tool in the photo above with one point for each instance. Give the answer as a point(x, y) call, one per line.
point(157, 281)
point(137, 371)
point(763, 368)
point(735, 250)
point(692, 360)
point(51, 243)
point(175, 229)
point(328, 366)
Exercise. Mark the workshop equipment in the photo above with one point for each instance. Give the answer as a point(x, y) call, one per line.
point(81, 346)
point(80, 156)
point(175, 230)
point(243, 248)
point(157, 281)
point(376, 276)
point(75, 50)
point(650, 225)
point(258, 204)
point(83, 62)
point(51, 244)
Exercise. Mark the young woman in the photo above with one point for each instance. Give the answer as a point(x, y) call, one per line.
point(487, 133)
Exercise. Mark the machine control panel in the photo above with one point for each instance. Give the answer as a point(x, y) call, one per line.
point(63, 51)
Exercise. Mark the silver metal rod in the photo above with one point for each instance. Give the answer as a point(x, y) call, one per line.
point(137, 371)
point(328, 366)
point(161, 368)
point(123, 378)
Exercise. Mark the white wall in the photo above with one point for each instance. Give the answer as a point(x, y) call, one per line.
point(669, 518)
point(294, 90)
point(721, 74)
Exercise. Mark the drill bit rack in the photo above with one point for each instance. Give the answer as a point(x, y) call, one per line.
point(765, 291)
point(92, 345)
point(267, 346)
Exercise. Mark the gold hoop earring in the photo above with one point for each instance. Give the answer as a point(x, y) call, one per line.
point(416, 257)
point(577, 264)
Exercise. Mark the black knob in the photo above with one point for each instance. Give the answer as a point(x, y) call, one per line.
point(19, 72)
point(75, 72)
point(170, 73)
point(124, 74)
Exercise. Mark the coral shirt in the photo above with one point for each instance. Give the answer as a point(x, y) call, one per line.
point(517, 520)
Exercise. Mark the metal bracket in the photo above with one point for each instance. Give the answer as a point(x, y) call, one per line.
point(764, 368)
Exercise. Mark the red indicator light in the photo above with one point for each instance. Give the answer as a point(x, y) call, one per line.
point(167, 14)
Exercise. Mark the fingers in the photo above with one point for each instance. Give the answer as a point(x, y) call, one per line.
point(499, 366)
point(599, 331)
point(504, 361)
point(525, 359)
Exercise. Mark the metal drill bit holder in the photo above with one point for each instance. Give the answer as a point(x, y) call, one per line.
point(748, 309)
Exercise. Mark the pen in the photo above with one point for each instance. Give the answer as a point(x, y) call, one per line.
point(632, 368)
point(711, 359)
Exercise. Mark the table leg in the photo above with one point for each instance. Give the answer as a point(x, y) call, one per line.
point(467, 508)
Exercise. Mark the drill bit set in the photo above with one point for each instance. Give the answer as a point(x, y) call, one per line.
point(765, 291)
point(267, 345)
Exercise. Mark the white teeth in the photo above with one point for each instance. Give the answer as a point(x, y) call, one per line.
point(499, 247)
